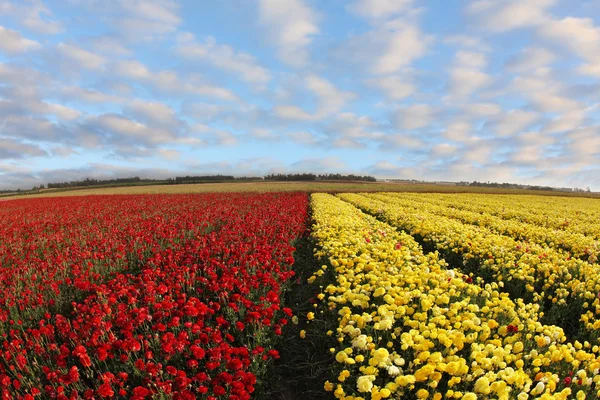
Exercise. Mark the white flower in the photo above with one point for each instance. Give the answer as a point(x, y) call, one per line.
point(365, 383)
point(399, 361)
point(360, 342)
point(539, 388)
point(393, 370)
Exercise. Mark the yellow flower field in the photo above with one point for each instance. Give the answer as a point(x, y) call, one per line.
point(408, 326)
point(577, 244)
point(566, 287)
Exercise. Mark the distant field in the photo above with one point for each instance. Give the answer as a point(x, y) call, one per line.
point(291, 186)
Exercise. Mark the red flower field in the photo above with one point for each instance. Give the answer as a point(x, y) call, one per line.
point(144, 296)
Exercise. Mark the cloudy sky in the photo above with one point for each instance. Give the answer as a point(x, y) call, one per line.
point(488, 90)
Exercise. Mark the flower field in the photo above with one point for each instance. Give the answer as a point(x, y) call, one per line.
point(412, 325)
point(408, 296)
point(143, 296)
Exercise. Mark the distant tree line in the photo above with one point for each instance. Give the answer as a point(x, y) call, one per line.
point(136, 180)
point(99, 182)
point(211, 178)
point(321, 177)
point(506, 185)
point(200, 178)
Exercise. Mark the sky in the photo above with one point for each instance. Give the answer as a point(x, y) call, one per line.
point(438, 90)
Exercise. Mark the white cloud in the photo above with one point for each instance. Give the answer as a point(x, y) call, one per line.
point(467, 41)
point(292, 113)
point(119, 129)
point(349, 130)
point(263, 134)
point(223, 56)
point(590, 69)
point(21, 76)
point(530, 58)
point(347, 143)
point(326, 164)
point(110, 46)
point(88, 95)
point(63, 151)
point(388, 48)
point(465, 76)
point(146, 20)
point(565, 122)
point(401, 44)
point(221, 137)
point(63, 112)
point(513, 122)
point(544, 90)
point(415, 116)
point(330, 99)
point(12, 42)
point(154, 113)
point(470, 59)
point(84, 58)
point(170, 154)
point(385, 169)
point(303, 137)
point(132, 69)
point(459, 131)
point(482, 109)
point(14, 149)
point(444, 150)
point(205, 89)
point(393, 86)
point(29, 14)
point(464, 82)
point(579, 35)
point(292, 26)
point(506, 15)
point(585, 142)
point(397, 141)
point(378, 9)
point(168, 81)
point(478, 152)
point(553, 103)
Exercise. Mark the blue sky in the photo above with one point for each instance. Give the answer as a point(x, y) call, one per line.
point(487, 90)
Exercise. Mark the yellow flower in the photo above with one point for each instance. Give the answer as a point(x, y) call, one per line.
point(423, 373)
point(302, 334)
point(405, 380)
point(422, 394)
point(310, 316)
point(364, 383)
point(343, 375)
point(341, 356)
point(518, 347)
point(482, 385)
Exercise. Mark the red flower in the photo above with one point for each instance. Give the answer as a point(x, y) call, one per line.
point(219, 390)
point(105, 390)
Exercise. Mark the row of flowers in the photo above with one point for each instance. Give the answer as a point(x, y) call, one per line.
point(52, 249)
point(577, 244)
point(575, 215)
point(197, 319)
point(566, 288)
point(409, 327)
